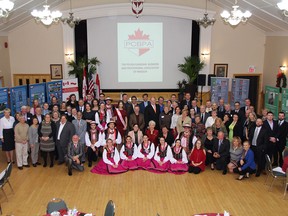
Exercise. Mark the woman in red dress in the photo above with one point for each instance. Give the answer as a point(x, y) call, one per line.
point(121, 119)
point(152, 133)
point(197, 158)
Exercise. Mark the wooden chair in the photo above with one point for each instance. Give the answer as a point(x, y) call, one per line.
point(4, 179)
point(110, 209)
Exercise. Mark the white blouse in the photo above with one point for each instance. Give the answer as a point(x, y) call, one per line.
point(100, 142)
point(184, 158)
point(6, 124)
point(174, 120)
point(168, 155)
point(116, 157)
point(151, 153)
point(124, 157)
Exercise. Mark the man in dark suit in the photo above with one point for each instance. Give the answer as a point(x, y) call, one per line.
point(247, 105)
point(203, 114)
point(281, 139)
point(152, 112)
point(195, 107)
point(238, 111)
point(272, 131)
point(127, 106)
point(221, 148)
point(144, 103)
point(259, 139)
point(137, 118)
point(27, 115)
point(186, 101)
point(221, 109)
point(73, 156)
point(80, 106)
point(65, 131)
point(38, 114)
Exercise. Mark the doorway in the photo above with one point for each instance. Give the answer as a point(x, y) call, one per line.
point(254, 89)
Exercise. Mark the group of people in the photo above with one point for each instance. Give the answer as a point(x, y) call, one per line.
point(153, 135)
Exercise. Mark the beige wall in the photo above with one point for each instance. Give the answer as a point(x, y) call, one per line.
point(5, 61)
point(275, 55)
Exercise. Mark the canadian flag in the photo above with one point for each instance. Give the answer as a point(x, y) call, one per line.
point(84, 86)
point(97, 86)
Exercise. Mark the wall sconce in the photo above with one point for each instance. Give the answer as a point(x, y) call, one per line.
point(68, 55)
point(205, 55)
point(282, 68)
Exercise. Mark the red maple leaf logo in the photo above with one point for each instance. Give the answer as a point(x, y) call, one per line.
point(138, 36)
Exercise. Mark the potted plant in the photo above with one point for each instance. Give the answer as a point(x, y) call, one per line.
point(77, 69)
point(191, 67)
point(181, 88)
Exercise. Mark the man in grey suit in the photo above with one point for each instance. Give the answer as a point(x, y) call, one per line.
point(74, 154)
point(65, 131)
point(80, 129)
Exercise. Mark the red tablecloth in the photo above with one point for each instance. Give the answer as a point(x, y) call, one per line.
point(209, 214)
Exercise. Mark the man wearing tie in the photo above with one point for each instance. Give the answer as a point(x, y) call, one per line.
point(186, 101)
point(195, 107)
point(65, 131)
point(247, 105)
point(152, 112)
point(203, 114)
point(80, 107)
point(144, 103)
point(281, 140)
point(221, 148)
point(258, 138)
point(272, 131)
point(73, 156)
point(80, 129)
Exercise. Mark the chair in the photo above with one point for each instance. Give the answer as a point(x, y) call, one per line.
point(110, 209)
point(272, 172)
point(9, 170)
point(286, 185)
point(4, 178)
point(2, 182)
point(56, 204)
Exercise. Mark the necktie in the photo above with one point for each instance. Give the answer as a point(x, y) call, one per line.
point(254, 143)
point(279, 124)
point(219, 146)
point(202, 118)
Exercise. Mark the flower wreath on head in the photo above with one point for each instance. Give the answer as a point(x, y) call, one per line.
point(281, 76)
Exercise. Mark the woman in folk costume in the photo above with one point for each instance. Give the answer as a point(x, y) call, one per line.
point(146, 152)
point(120, 116)
point(179, 160)
point(93, 140)
point(109, 164)
point(113, 133)
point(128, 154)
point(101, 118)
point(109, 108)
point(162, 156)
point(187, 138)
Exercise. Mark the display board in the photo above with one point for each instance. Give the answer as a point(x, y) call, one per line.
point(219, 89)
point(284, 102)
point(239, 91)
point(3, 100)
point(37, 92)
point(69, 86)
point(18, 98)
point(54, 88)
point(272, 99)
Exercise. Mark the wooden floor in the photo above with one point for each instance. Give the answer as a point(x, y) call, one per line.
point(141, 193)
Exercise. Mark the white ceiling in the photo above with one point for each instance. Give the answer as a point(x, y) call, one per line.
point(265, 14)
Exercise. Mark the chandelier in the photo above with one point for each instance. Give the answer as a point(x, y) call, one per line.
point(206, 21)
point(137, 7)
point(5, 7)
point(71, 20)
point(283, 6)
point(236, 16)
point(46, 16)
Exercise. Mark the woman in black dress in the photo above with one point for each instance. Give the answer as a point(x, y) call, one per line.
point(88, 115)
point(208, 140)
point(7, 135)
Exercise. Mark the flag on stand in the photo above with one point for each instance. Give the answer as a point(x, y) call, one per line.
point(84, 85)
point(97, 89)
point(91, 85)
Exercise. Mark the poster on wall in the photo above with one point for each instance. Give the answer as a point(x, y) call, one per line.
point(272, 99)
point(3, 100)
point(284, 104)
point(69, 86)
point(54, 88)
point(18, 98)
point(219, 89)
point(239, 91)
point(37, 92)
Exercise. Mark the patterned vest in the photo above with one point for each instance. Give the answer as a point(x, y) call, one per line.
point(163, 153)
point(129, 151)
point(110, 154)
point(93, 141)
point(146, 151)
point(177, 156)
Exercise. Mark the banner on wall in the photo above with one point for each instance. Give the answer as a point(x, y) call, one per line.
point(54, 88)
point(3, 100)
point(219, 89)
point(18, 98)
point(69, 86)
point(37, 92)
point(272, 99)
point(239, 91)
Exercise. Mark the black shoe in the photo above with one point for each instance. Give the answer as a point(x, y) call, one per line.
point(13, 162)
point(224, 172)
point(257, 174)
point(34, 165)
point(51, 165)
point(26, 165)
point(70, 173)
point(90, 164)
point(45, 165)
point(20, 168)
point(38, 163)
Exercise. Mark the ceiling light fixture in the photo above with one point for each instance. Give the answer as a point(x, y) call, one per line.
point(46, 16)
point(206, 21)
point(236, 16)
point(71, 20)
point(283, 6)
point(5, 8)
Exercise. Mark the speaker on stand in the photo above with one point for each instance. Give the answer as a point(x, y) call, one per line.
point(201, 82)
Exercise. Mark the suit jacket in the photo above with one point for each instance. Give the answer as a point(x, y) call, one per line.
point(240, 113)
point(282, 133)
point(129, 108)
point(80, 129)
point(262, 138)
point(133, 120)
point(29, 118)
point(184, 102)
point(142, 106)
point(78, 108)
point(271, 132)
point(150, 114)
point(243, 109)
point(197, 109)
point(224, 150)
point(42, 118)
point(66, 134)
point(238, 129)
point(72, 151)
point(140, 136)
point(206, 115)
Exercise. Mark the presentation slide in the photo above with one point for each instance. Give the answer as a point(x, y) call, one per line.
point(140, 52)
